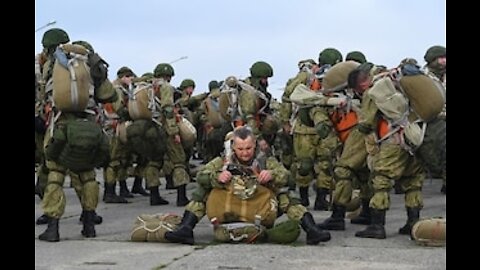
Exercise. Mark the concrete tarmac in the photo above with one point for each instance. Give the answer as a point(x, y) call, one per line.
point(112, 248)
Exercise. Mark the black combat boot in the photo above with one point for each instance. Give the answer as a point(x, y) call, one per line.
point(88, 224)
point(124, 192)
point(97, 219)
point(315, 235)
point(137, 187)
point(336, 222)
point(413, 215)
point(377, 228)
point(364, 218)
point(182, 199)
point(155, 198)
point(321, 204)
point(110, 196)
point(51, 233)
point(304, 196)
point(184, 232)
point(169, 179)
point(43, 219)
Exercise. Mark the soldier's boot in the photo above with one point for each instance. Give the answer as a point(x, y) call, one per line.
point(124, 192)
point(315, 235)
point(43, 219)
point(413, 215)
point(137, 187)
point(155, 198)
point(182, 199)
point(377, 228)
point(336, 222)
point(364, 218)
point(88, 224)
point(169, 179)
point(398, 188)
point(110, 196)
point(321, 204)
point(51, 233)
point(184, 232)
point(97, 219)
point(304, 196)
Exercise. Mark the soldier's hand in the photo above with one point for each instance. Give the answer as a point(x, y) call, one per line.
point(322, 130)
point(264, 176)
point(224, 177)
point(177, 139)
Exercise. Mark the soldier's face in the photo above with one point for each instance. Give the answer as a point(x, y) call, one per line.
point(244, 149)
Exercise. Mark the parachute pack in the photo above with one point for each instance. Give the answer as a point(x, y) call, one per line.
point(146, 138)
point(152, 228)
point(227, 207)
point(72, 84)
point(141, 103)
point(409, 99)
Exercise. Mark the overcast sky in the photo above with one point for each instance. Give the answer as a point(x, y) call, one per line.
point(225, 37)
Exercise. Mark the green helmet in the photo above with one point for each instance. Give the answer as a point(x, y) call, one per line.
point(284, 232)
point(54, 37)
point(148, 75)
point(329, 56)
point(261, 69)
point(163, 69)
point(186, 83)
point(125, 71)
point(213, 84)
point(435, 52)
point(85, 44)
point(356, 56)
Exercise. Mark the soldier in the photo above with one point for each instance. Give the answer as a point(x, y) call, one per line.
point(216, 175)
point(435, 137)
point(214, 126)
point(356, 56)
point(351, 168)
point(67, 124)
point(388, 160)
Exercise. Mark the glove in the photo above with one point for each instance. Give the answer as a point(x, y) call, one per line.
point(363, 128)
point(322, 130)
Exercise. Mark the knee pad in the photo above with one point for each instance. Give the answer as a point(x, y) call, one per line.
point(305, 166)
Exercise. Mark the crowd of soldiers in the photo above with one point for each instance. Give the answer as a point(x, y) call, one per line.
point(154, 129)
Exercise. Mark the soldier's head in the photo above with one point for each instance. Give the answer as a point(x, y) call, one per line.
point(84, 44)
point(435, 52)
point(125, 72)
point(261, 71)
point(244, 142)
point(164, 70)
point(436, 58)
point(360, 78)
point(329, 56)
point(54, 37)
point(306, 64)
point(125, 75)
point(213, 85)
point(356, 56)
point(187, 85)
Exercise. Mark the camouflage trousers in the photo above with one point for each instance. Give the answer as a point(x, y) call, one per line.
point(393, 163)
point(54, 201)
point(314, 155)
point(120, 158)
point(351, 169)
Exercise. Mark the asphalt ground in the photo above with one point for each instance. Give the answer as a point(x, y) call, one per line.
point(112, 248)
